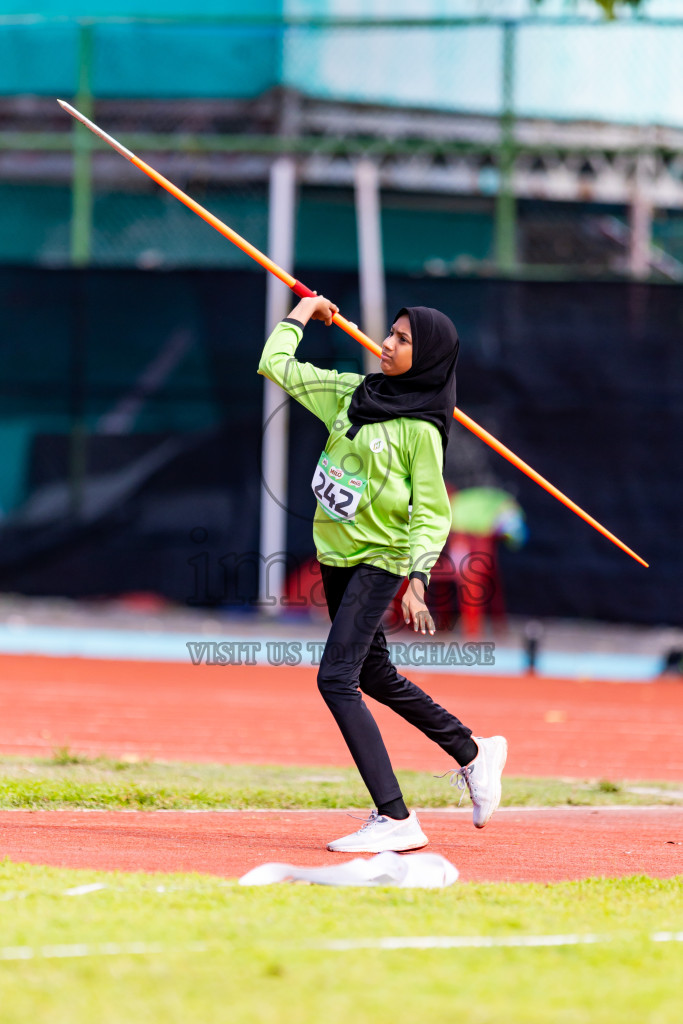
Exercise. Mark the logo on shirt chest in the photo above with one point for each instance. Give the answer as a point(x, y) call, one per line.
point(377, 445)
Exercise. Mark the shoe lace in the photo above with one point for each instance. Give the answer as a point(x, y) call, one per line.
point(460, 778)
point(367, 822)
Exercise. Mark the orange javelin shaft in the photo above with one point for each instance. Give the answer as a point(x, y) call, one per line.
point(302, 291)
point(227, 232)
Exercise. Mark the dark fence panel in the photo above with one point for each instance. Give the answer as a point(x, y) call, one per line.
point(130, 418)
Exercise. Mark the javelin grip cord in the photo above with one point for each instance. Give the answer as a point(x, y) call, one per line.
point(301, 291)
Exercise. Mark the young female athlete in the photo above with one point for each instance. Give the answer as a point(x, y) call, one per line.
point(383, 513)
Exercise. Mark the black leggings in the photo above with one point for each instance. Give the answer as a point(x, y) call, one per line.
point(356, 655)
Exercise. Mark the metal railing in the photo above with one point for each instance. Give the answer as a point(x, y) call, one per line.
point(504, 155)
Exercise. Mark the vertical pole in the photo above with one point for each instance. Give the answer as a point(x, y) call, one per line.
point(81, 189)
point(274, 443)
point(506, 208)
point(370, 260)
point(81, 240)
point(641, 219)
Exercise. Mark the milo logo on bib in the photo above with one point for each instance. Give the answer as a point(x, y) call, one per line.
point(338, 493)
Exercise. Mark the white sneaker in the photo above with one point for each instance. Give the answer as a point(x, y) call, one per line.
point(379, 834)
point(482, 777)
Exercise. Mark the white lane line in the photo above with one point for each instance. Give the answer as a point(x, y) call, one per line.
point(481, 941)
point(667, 937)
point(83, 949)
point(463, 942)
point(84, 890)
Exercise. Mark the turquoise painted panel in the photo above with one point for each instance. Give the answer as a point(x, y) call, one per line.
point(142, 60)
point(607, 71)
point(142, 8)
point(326, 233)
point(447, 68)
point(151, 229)
point(419, 239)
point(667, 232)
point(413, 239)
point(628, 73)
point(422, 8)
point(35, 223)
point(40, 59)
point(133, 229)
point(15, 439)
point(185, 60)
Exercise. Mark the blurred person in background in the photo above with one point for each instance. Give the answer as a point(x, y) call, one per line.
point(481, 518)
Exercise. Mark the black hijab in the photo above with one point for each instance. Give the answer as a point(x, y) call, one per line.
point(426, 391)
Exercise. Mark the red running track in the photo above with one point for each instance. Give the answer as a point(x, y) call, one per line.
point(258, 715)
point(275, 715)
point(516, 846)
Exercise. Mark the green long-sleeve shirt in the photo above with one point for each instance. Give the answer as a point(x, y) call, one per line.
point(364, 486)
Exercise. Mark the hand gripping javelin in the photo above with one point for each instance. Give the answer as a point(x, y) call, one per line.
point(302, 291)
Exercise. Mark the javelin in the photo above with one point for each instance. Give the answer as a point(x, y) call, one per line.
point(302, 291)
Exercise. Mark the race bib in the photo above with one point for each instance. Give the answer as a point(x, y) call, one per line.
point(338, 493)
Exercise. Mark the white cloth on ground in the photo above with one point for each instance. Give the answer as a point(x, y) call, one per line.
point(412, 871)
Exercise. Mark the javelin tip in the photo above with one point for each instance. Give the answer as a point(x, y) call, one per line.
point(96, 130)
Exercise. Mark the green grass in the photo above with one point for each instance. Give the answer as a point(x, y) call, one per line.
point(258, 956)
point(69, 780)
